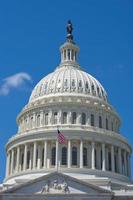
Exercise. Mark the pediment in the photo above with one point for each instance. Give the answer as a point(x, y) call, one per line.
point(56, 183)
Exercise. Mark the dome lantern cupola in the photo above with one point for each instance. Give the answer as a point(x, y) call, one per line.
point(69, 50)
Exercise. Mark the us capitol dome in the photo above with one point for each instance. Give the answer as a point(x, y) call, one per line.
point(74, 102)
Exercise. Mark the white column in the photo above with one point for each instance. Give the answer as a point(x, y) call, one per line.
point(69, 154)
point(18, 158)
point(39, 157)
point(59, 120)
point(92, 155)
point(103, 157)
point(112, 159)
point(120, 162)
point(69, 117)
point(25, 157)
point(57, 146)
point(34, 155)
point(12, 161)
point(7, 164)
point(34, 120)
point(50, 117)
point(81, 153)
point(45, 154)
point(79, 118)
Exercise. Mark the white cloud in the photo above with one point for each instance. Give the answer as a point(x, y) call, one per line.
point(15, 81)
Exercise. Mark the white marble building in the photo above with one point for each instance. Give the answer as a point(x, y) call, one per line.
point(94, 163)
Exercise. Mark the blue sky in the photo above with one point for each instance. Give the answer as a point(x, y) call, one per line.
point(30, 35)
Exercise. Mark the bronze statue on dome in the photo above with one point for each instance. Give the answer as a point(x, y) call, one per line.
point(69, 31)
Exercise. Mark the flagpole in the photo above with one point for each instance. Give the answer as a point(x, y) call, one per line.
point(57, 153)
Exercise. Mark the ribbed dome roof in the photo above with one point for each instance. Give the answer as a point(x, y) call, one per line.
point(68, 80)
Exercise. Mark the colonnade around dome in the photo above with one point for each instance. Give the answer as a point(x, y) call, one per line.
point(80, 153)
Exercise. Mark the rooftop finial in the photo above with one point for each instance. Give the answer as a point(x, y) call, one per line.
point(69, 31)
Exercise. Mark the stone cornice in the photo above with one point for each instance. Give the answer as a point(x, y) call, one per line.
point(77, 131)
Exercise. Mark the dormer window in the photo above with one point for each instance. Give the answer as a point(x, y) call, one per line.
point(73, 83)
point(86, 85)
point(65, 83)
point(80, 83)
point(92, 87)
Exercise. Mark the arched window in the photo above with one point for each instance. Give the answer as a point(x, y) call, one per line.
point(68, 54)
point(72, 55)
point(28, 159)
point(92, 87)
point(123, 166)
point(84, 156)
point(64, 121)
point(53, 155)
point(83, 118)
point(55, 118)
point(74, 156)
point(74, 116)
point(86, 85)
point(95, 158)
point(100, 122)
point(98, 90)
point(112, 126)
point(64, 156)
point(42, 157)
point(46, 119)
point(38, 120)
point(22, 160)
point(73, 83)
point(109, 160)
point(65, 83)
point(80, 83)
point(64, 54)
point(92, 120)
point(107, 124)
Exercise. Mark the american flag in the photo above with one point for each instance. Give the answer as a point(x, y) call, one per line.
point(61, 137)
